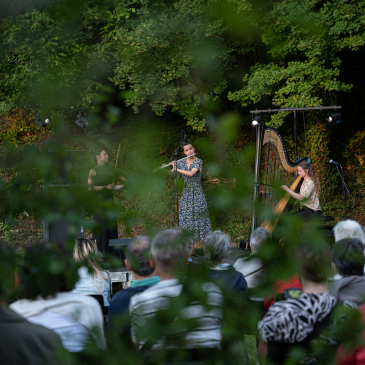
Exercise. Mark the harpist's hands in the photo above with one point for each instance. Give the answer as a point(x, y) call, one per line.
point(284, 187)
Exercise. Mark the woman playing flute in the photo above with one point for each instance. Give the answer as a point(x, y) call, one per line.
point(193, 210)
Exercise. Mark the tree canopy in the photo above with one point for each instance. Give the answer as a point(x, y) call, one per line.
point(184, 56)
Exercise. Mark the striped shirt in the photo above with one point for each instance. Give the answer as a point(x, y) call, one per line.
point(208, 318)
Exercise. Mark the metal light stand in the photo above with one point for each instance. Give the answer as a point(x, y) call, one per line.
point(344, 187)
point(174, 156)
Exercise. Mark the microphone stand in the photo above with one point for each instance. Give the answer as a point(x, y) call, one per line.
point(174, 156)
point(344, 186)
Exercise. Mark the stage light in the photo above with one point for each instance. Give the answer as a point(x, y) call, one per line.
point(334, 118)
point(41, 121)
point(81, 120)
point(256, 121)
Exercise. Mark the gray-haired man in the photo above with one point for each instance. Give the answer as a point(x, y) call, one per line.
point(169, 257)
point(252, 267)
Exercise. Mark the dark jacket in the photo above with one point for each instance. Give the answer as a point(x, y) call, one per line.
point(22, 342)
point(120, 301)
point(229, 279)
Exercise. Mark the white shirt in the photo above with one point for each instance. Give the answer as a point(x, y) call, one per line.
point(207, 335)
point(88, 286)
point(73, 335)
point(82, 309)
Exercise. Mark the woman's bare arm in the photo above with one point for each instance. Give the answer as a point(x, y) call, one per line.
point(294, 195)
point(184, 172)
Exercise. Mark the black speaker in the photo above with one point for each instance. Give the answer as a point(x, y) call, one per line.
point(60, 230)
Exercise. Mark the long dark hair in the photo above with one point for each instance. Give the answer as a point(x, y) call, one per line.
point(312, 173)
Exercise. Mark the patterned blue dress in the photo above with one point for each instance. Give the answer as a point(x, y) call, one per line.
point(193, 210)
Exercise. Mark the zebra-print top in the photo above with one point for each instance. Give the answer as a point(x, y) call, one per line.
point(292, 320)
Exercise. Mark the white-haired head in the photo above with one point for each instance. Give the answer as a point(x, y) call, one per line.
point(258, 237)
point(348, 229)
point(216, 246)
point(169, 250)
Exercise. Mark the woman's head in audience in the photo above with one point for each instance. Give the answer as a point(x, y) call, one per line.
point(85, 250)
point(348, 257)
point(47, 269)
point(348, 229)
point(216, 247)
point(258, 237)
point(314, 262)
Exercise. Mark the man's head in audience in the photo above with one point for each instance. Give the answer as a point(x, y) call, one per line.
point(216, 247)
point(348, 257)
point(169, 254)
point(187, 236)
point(258, 237)
point(7, 271)
point(314, 263)
point(47, 269)
point(348, 229)
point(137, 258)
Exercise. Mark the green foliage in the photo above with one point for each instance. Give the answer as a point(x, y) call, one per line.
point(50, 55)
point(171, 55)
point(298, 84)
point(18, 128)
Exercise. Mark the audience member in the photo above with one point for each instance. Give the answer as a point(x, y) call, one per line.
point(137, 261)
point(98, 282)
point(252, 267)
point(189, 241)
point(21, 342)
point(193, 322)
point(348, 229)
point(216, 249)
point(294, 322)
point(348, 259)
point(47, 277)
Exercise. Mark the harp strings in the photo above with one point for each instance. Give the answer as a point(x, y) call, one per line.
point(272, 173)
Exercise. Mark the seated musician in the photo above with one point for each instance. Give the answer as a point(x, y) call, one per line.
point(309, 192)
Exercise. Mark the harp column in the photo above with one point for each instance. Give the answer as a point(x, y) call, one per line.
point(260, 131)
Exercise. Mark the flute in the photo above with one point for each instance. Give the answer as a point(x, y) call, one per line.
point(162, 167)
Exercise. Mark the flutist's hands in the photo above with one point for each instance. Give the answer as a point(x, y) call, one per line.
point(173, 164)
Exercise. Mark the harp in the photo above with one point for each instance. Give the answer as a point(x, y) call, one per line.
point(272, 165)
